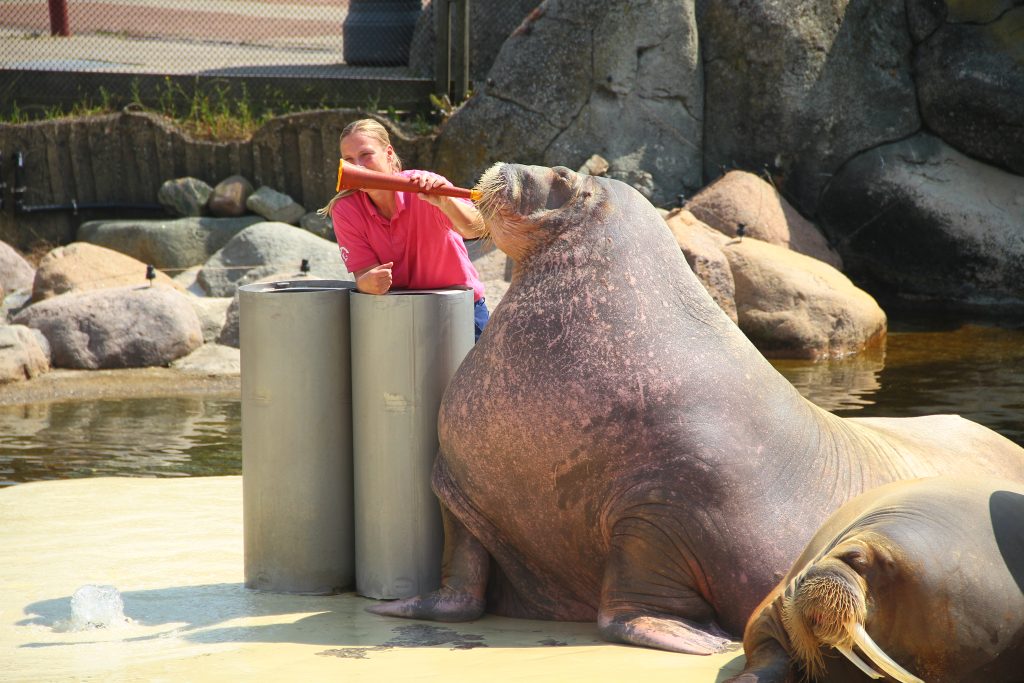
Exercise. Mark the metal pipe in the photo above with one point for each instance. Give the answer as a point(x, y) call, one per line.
point(74, 206)
point(59, 25)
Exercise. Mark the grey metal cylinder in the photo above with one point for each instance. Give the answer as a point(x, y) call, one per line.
point(297, 436)
point(405, 348)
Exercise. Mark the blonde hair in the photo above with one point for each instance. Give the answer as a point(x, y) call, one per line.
point(372, 129)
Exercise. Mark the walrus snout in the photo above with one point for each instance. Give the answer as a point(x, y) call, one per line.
point(826, 605)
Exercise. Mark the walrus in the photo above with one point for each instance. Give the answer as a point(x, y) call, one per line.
point(925, 578)
point(615, 449)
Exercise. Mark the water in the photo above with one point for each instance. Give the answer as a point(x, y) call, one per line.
point(974, 370)
point(94, 607)
point(147, 437)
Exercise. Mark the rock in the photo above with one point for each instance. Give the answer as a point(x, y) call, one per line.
point(123, 327)
point(24, 353)
point(970, 81)
point(792, 306)
point(269, 248)
point(321, 226)
point(212, 313)
point(924, 221)
point(625, 82)
point(274, 206)
point(15, 272)
point(229, 333)
point(800, 89)
point(211, 360)
point(740, 198)
point(184, 196)
point(702, 246)
point(168, 244)
point(595, 165)
point(229, 196)
point(80, 266)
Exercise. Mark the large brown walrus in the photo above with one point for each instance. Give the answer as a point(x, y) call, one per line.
point(917, 580)
point(614, 448)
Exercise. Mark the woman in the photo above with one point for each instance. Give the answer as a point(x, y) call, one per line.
point(403, 240)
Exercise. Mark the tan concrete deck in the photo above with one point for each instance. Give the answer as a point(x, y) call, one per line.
point(173, 548)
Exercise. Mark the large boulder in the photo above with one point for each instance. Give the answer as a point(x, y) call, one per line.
point(740, 198)
point(702, 246)
point(970, 79)
point(170, 244)
point(266, 249)
point(793, 306)
point(80, 266)
point(24, 353)
point(802, 86)
point(919, 219)
point(124, 327)
point(624, 82)
point(15, 272)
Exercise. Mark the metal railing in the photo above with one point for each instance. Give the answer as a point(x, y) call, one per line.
point(313, 53)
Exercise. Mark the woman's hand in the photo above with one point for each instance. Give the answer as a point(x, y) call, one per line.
point(428, 181)
point(375, 280)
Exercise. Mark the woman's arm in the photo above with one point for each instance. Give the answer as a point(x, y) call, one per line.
point(375, 279)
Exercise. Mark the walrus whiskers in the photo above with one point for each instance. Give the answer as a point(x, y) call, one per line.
point(822, 607)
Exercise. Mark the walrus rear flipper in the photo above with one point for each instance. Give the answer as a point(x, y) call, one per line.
point(644, 603)
point(463, 581)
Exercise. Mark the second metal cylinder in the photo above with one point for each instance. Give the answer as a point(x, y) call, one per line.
point(405, 348)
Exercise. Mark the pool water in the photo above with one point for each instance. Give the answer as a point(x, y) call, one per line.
point(974, 370)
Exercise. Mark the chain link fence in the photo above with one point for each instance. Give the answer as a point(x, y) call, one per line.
point(288, 54)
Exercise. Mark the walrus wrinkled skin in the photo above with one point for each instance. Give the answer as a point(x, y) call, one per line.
point(924, 578)
point(615, 449)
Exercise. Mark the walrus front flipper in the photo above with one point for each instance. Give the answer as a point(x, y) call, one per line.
point(463, 581)
point(644, 597)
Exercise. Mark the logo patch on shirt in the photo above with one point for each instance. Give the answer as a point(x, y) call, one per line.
point(344, 255)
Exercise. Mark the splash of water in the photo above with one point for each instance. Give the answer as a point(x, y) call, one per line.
point(95, 607)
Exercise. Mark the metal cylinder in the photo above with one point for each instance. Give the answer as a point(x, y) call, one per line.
point(405, 348)
point(296, 436)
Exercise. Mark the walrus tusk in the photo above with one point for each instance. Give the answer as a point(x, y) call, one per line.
point(857, 661)
point(879, 658)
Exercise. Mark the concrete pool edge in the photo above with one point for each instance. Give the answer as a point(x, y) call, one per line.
point(173, 548)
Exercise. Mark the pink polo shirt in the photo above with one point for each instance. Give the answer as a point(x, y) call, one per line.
point(426, 252)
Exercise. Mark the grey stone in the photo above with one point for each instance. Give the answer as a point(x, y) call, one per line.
point(184, 196)
point(24, 353)
point(927, 222)
point(267, 248)
point(15, 272)
point(212, 312)
point(275, 206)
point(321, 226)
point(970, 83)
point(798, 88)
point(167, 244)
point(122, 327)
point(211, 360)
point(595, 165)
point(626, 77)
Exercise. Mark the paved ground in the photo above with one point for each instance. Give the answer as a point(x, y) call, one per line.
point(176, 36)
point(173, 548)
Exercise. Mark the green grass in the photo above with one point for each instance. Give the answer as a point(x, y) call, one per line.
point(210, 113)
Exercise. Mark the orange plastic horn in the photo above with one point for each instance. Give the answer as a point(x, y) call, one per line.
point(354, 177)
